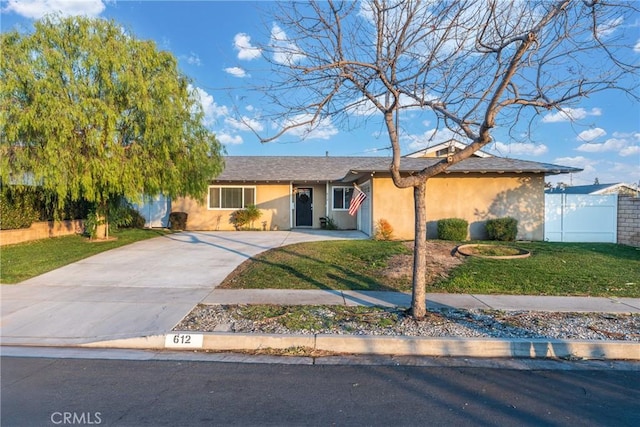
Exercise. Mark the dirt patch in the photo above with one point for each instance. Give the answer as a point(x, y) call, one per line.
point(441, 259)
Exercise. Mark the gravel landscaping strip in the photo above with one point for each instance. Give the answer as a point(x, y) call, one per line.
point(395, 322)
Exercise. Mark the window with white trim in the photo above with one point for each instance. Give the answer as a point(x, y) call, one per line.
point(342, 198)
point(231, 197)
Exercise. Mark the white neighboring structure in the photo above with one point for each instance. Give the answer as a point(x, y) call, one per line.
point(155, 210)
point(581, 218)
point(445, 149)
point(597, 189)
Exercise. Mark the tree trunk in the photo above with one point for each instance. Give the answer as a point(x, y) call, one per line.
point(419, 303)
point(102, 229)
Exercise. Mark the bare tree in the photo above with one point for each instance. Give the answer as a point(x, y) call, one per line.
point(475, 65)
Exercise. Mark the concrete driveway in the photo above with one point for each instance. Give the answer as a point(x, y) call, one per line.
point(138, 290)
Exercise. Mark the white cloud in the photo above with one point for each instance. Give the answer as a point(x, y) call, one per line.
point(242, 43)
point(630, 151)
point(236, 72)
point(627, 135)
point(588, 165)
point(324, 129)
point(636, 47)
point(609, 27)
point(605, 171)
point(212, 111)
point(36, 9)
point(520, 148)
point(591, 134)
point(244, 124)
point(284, 50)
point(249, 108)
point(612, 144)
point(570, 114)
point(228, 139)
point(193, 59)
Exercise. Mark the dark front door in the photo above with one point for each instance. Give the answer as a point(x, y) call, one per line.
point(304, 207)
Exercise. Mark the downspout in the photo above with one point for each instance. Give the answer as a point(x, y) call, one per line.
point(291, 206)
point(326, 200)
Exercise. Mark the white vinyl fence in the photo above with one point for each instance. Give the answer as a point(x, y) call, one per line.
point(155, 211)
point(581, 218)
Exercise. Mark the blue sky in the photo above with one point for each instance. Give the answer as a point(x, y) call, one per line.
point(215, 43)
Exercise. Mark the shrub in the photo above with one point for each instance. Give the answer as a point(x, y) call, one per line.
point(239, 219)
point(328, 223)
point(120, 215)
point(178, 220)
point(503, 229)
point(384, 230)
point(17, 208)
point(137, 220)
point(452, 229)
point(126, 216)
point(253, 214)
point(248, 215)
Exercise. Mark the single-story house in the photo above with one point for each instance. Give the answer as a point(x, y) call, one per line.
point(597, 189)
point(299, 192)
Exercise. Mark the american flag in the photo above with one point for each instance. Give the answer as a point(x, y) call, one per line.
point(356, 200)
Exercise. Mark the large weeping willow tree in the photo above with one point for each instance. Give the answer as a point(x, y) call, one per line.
point(91, 112)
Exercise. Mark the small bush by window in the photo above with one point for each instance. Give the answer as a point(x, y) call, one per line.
point(244, 218)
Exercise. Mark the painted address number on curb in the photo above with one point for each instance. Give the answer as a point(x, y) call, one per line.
point(184, 341)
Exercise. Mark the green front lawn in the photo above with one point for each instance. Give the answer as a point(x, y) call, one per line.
point(553, 269)
point(25, 260)
point(343, 265)
point(588, 269)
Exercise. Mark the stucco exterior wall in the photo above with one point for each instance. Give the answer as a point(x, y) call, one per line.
point(272, 199)
point(393, 204)
point(473, 197)
point(343, 220)
point(479, 197)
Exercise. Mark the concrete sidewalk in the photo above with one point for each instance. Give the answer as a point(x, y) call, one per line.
point(400, 346)
point(390, 299)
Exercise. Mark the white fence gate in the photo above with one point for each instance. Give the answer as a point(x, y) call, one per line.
point(155, 211)
point(581, 218)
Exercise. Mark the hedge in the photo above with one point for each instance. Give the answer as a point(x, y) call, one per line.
point(502, 229)
point(452, 229)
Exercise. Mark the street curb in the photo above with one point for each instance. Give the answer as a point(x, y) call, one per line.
point(391, 345)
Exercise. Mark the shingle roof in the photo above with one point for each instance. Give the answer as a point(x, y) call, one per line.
point(288, 168)
point(472, 164)
point(301, 168)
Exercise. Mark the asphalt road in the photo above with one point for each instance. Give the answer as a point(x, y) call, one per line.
point(59, 391)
